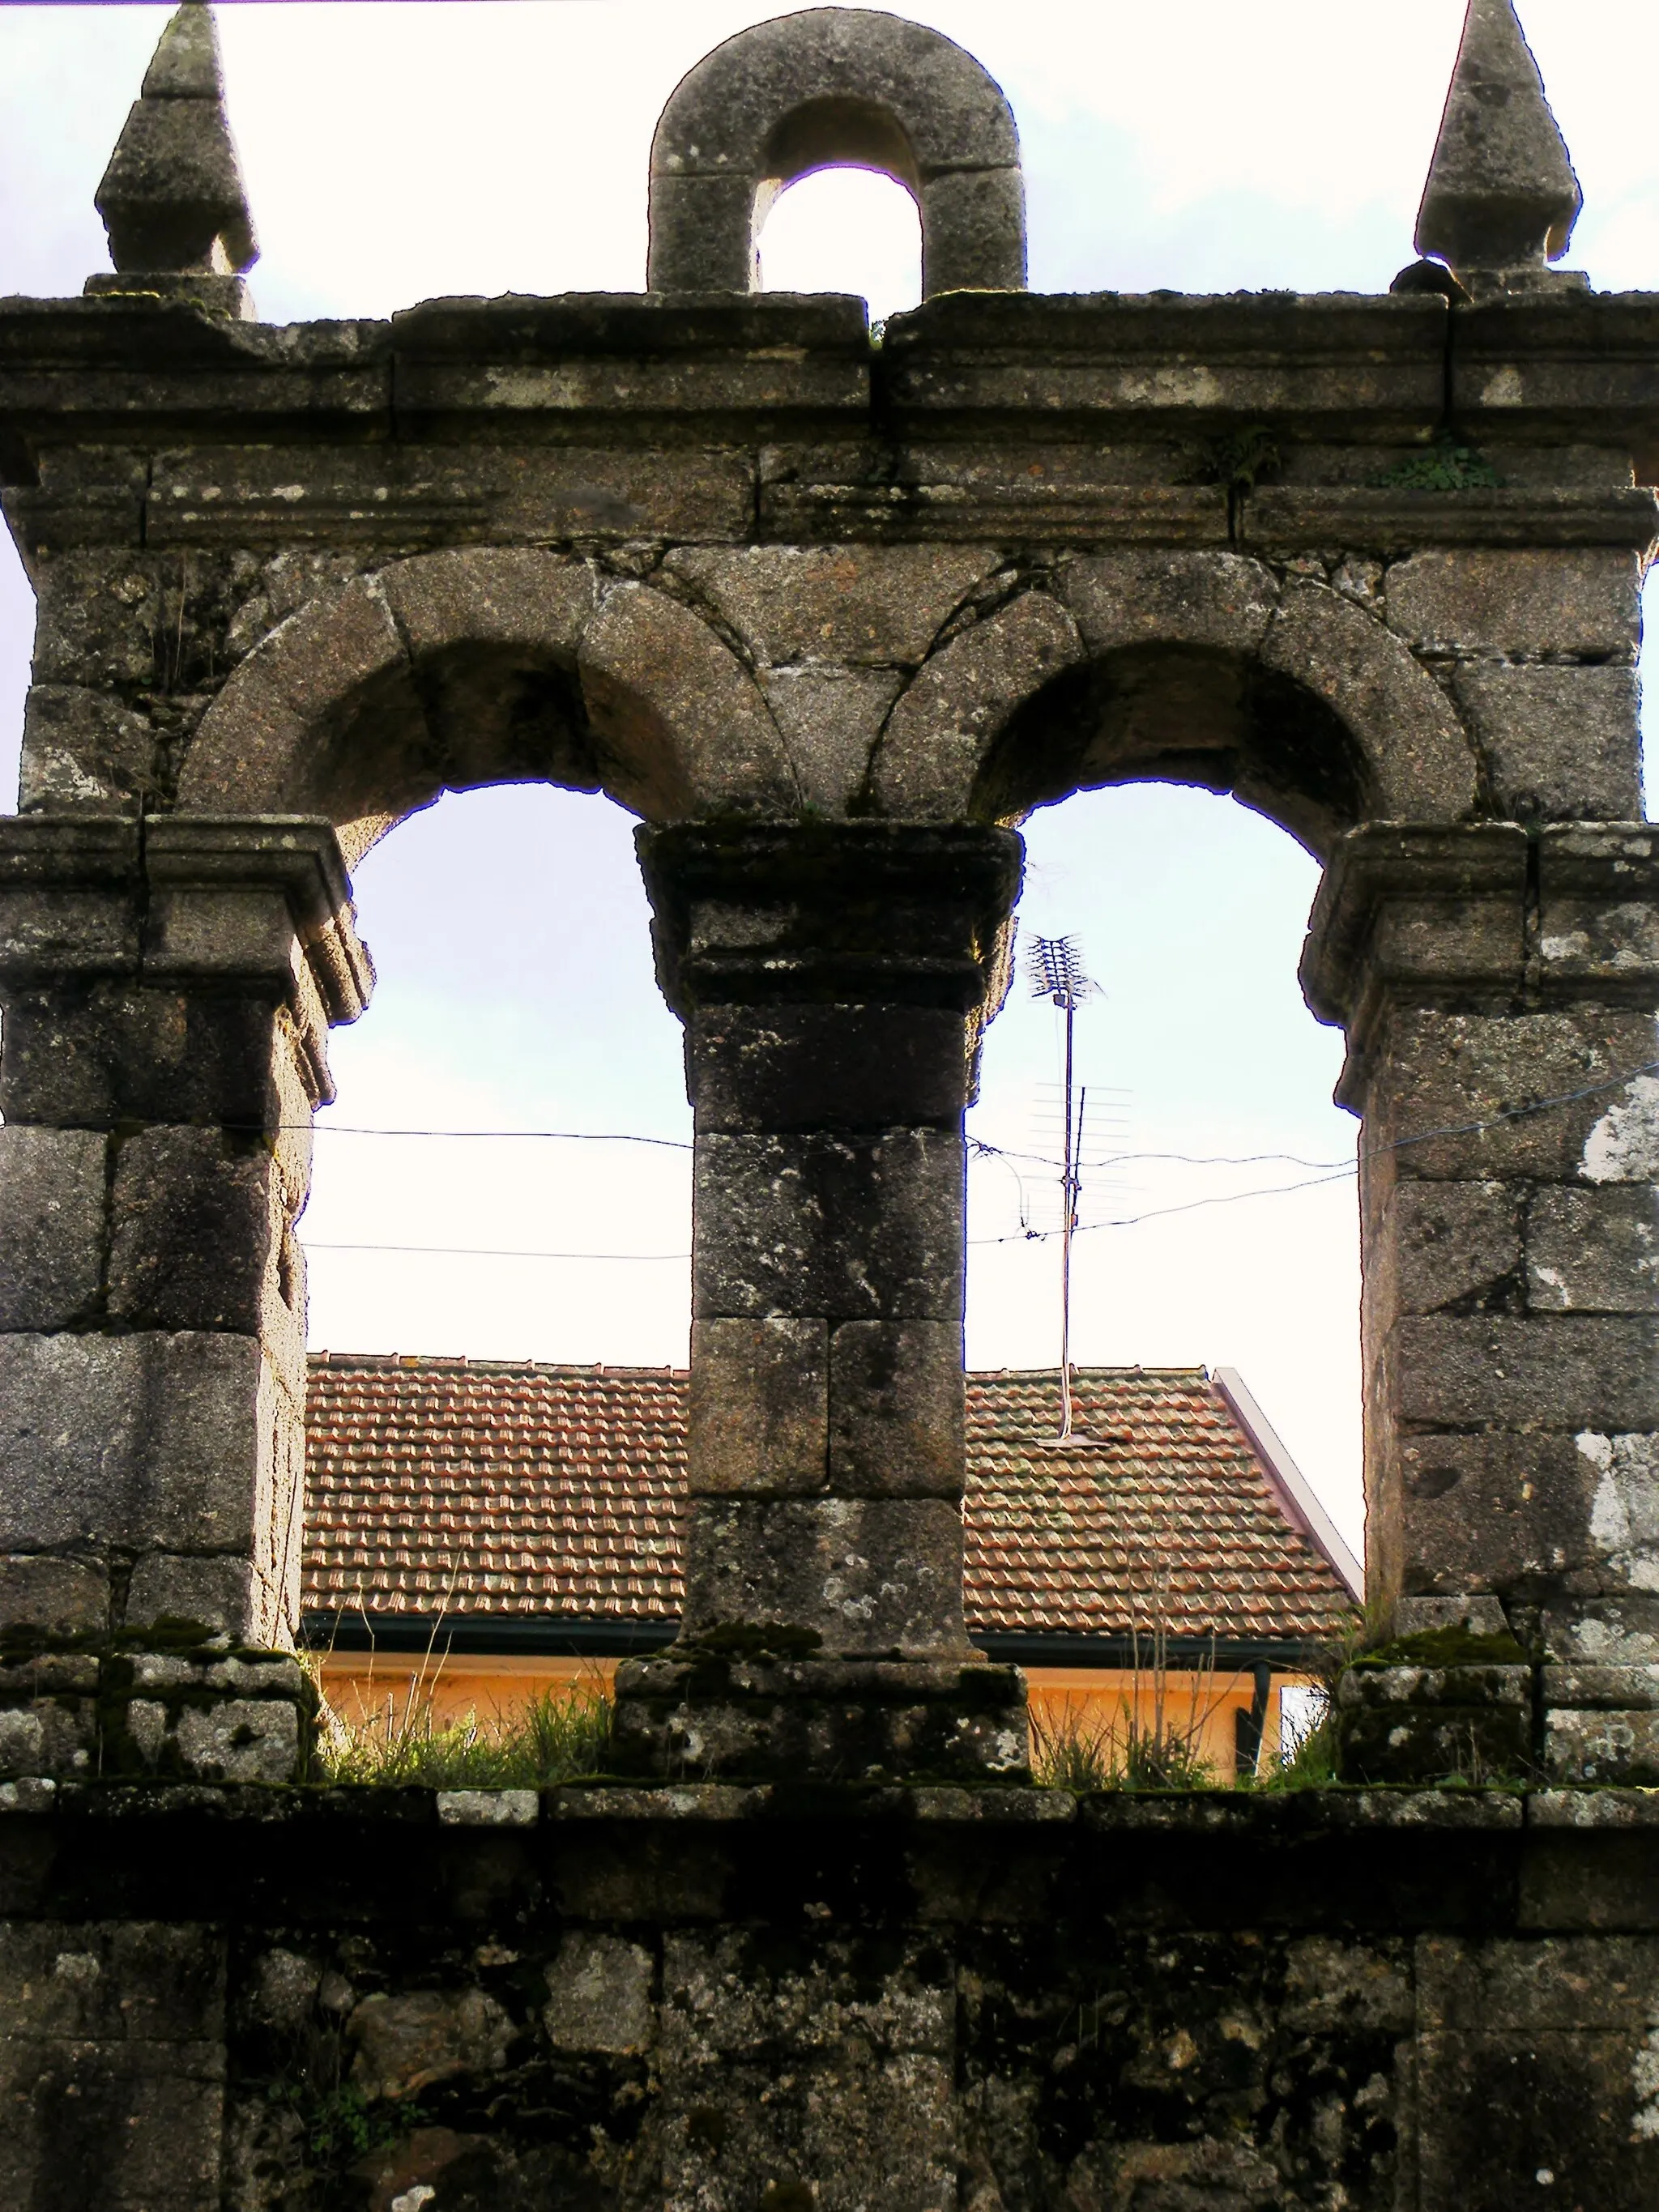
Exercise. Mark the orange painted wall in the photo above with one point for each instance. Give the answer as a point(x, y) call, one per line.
point(1095, 1701)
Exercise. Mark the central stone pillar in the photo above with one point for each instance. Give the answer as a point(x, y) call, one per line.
point(832, 980)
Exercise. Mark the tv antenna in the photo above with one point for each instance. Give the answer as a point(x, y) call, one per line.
point(1056, 972)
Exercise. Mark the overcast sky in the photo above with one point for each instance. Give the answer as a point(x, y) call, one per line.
point(398, 152)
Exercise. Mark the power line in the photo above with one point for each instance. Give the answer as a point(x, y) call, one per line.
point(1155, 1213)
point(492, 1252)
point(555, 1136)
point(1331, 1171)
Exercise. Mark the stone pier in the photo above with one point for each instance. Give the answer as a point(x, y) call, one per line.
point(832, 978)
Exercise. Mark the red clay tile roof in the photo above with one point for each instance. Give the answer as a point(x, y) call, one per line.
point(488, 1487)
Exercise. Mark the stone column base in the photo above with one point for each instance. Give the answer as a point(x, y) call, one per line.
point(697, 1715)
point(76, 1709)
point(1451, 1698)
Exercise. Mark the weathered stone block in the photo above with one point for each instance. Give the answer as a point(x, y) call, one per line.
point(55, 1736)
point(938, 735)
point(69, 901)
point(974, 231)
point(872, 1576)
point(1216, 600)
point(896, 1410)
point(650, 668)
point(195, 1216)
point(66, 1595)
point(84, 749)
point(1518, 603)
point(121, 2024)
point(830, 720)
point(1624, 1687)
point(695, 1713)
point(98, 619)
point(1444, 1245)
point(408, 2041)
point(1593, 1251)
point(1420, 1724)
point(759, 1409)
point(72, 1448)
point(1520, 2042)
point(1601, 1746)
point(52, 1225)
point(151, 1980)
point(1432, 1073)
point(1494, 1512)
point(858, 1069)
point(241, 1739)
point(852, 1228)
point(97, 1053)
point(147, 2128)
point(857, 606)
point(221, 1593)
point(1560, 1371)
point(1624, 1512)
point(483, 595)
point(1559, 743)
point(1418, 763)
point(599, 1994)
point(148, 1439)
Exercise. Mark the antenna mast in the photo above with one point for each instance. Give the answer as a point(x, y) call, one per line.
point(1056, 971)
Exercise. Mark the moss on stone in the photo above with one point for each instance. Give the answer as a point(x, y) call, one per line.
point(1446, 1647)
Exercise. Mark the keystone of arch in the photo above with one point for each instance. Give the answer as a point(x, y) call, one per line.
point(830, 86)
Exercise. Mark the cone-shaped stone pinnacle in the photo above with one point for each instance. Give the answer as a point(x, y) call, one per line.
point(171, 197)
point(185, 65)
point(1501, 193)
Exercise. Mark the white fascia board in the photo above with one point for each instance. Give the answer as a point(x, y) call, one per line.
point(1296, 1494)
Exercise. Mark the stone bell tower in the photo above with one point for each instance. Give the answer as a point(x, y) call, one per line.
point(831, 620)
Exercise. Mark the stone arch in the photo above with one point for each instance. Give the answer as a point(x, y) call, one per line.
point(1191, 667)
point(836, 87)
point(486, 665)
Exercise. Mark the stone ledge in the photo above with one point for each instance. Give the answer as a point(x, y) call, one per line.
point(1270, 1816)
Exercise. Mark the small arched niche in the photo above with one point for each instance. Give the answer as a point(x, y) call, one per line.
point(845, 229)
point(835, 88)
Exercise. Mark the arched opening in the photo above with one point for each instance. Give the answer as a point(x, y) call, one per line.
point(845, 229)
point(1182, 715)
point(514, 993)
point(1218, 1227)
point(468, 715)
point(501, 1192)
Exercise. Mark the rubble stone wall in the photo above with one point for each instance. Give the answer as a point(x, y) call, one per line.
point(711, 1999)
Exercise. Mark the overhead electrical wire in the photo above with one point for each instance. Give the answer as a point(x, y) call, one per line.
point(1330, 1171)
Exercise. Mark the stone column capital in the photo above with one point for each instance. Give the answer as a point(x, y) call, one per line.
point(1598, 914)
point(898, 914)
point(264, 899)
point(215, 902)
point(1425, 914)
point(1484, 917)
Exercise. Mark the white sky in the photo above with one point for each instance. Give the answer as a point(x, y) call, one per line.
point(398, 152)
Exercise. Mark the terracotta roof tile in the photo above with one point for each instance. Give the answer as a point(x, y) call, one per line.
point(501, 1488)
